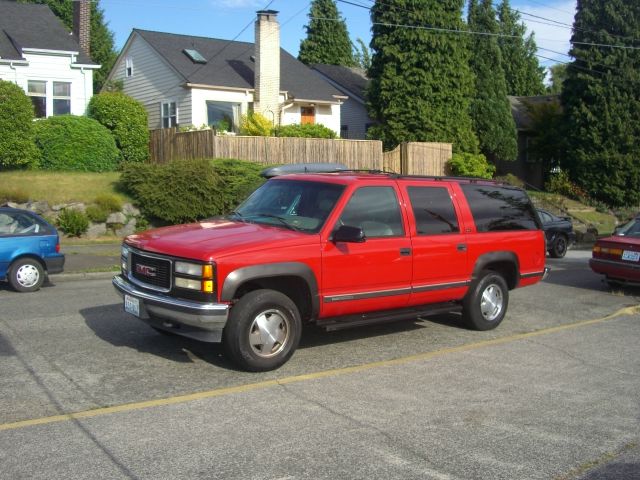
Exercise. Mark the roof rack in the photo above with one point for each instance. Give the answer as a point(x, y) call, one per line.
point(325, 167)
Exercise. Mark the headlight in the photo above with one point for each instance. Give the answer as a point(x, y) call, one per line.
point(188, 283)
point(124, 251)
point(193, 269)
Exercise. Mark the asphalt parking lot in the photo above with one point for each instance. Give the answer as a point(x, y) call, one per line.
point(553, 393)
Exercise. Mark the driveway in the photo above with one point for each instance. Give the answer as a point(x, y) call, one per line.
point(88, 392)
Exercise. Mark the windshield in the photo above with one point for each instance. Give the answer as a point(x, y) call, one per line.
point(631, 229)
point(293, 204)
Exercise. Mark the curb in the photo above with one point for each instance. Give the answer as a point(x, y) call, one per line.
point(74, 277)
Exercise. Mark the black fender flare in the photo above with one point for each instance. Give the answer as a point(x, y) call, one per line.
point(290, 269)
point(498, 257)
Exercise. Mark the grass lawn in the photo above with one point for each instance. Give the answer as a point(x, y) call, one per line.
point(58, 187)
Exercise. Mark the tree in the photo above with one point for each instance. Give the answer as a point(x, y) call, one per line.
point(101, 44)
point(327, 37)
point(490, 108)
point(558, 74)
point(362, 55)
point(601, 100)
point(421, 84)
point(523, 73)
point(17, 147)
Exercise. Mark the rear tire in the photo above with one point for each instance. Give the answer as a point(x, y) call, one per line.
point(26, 275)
point(263, 330)
point(559, 247)
point(486, 302)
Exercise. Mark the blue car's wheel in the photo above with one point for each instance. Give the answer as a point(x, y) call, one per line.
point(26, 275)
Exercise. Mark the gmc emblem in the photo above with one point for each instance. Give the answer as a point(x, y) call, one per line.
point(146, 270)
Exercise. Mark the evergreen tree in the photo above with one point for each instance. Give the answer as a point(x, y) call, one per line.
point(523, 73)
point(558, 73)
point(362, 55)
point(421, 84)
point(327, 36)
point(601, 99)
point(101, 43)
point(490, 108)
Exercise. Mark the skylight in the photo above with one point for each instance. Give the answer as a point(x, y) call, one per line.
point(194, 55)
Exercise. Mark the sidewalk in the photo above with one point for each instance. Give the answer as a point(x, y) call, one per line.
point(89, 261)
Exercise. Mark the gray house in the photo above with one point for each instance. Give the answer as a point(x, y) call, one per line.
point(352, 82)
point(183, 80)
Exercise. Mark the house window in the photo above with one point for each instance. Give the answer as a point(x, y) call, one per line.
point(307, 115)
point(128, 67)
point(61, 98)
point(37, 91)
point(169, 115)
point(344, 131)
point(223, 116)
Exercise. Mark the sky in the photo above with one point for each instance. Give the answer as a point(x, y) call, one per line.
point(550, 20)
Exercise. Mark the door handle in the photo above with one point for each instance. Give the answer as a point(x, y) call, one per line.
point(462, 247)
point(405, 252)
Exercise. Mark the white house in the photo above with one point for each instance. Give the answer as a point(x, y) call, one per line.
point(41, 56)
point(195, 81)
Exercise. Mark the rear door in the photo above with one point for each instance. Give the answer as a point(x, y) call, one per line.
point(439, 243)
point(375, 274)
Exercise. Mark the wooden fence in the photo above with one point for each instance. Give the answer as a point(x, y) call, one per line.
point(409, 158)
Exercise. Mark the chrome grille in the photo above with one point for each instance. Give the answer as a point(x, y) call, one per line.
point(154, 272)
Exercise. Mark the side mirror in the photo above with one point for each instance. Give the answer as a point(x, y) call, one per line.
point(347, 233)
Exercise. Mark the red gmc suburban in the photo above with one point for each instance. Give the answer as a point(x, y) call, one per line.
point(338, 250)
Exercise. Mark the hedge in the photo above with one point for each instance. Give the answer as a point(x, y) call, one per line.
point(17, 147)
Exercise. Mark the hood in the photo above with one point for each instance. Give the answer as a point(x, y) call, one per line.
point(213, 239)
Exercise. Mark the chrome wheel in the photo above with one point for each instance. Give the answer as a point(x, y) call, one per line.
point(491, 303)
point(27, 275)
point(269, 333)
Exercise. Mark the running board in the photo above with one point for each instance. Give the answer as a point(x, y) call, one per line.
point(373, 318)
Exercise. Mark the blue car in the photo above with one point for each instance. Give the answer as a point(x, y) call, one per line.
point(29, 249)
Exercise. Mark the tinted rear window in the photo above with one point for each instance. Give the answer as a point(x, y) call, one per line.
point(433, 210)
point(498, 208)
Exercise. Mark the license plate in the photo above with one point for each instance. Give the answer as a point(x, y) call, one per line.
point(132, 305)
point(631, 256)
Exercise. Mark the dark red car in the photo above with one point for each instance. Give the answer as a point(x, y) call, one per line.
point(618, 257)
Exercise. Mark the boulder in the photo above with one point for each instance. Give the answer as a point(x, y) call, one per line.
point(128, 229)
point(38, 207)
point(96, 230)
point(117, 218)
point(130, 211)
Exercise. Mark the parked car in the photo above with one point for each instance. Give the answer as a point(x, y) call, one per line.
point(338, 250)
point(618, 257)
point(559, 233)
point(29, 249)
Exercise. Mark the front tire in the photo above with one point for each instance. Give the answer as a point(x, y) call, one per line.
point(263, 330)
point(485, 305)
point(26, 275)
point(559, 247)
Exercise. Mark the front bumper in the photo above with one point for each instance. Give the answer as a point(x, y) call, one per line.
point(201, 321)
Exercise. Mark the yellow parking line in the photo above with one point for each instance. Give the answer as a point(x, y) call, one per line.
point(219, 392)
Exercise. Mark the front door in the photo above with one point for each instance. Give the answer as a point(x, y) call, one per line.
point(375, 274)
point(307, 115)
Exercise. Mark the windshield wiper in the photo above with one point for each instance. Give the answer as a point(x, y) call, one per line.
point(280, 219)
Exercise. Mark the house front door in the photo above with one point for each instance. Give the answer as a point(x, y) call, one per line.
point(307, 115)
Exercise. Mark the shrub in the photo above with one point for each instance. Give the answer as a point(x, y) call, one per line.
point(176, 192)
point(73, 222)
point(75, 143)
point(109, 202)
point(511, 179)
point(255, 125)
point(471, 165)
point(126, 119)
point(559, 182)
point(97, 214)
point(17, 147)
point(238, 179)
point(307, 130)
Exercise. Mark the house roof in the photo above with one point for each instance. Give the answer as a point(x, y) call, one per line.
point(230, 64)
point(33, 26)
point(352, 81)
point(520, 108)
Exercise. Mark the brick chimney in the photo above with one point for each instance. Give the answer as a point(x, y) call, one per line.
point(82, 23)
point(267, 71)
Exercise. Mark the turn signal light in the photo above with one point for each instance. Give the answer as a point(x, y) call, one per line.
point(207, 271)
point(207, 286)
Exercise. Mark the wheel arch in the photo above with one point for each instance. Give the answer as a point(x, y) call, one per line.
point(33, 256)
point(503, 262)
point(294, 279)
